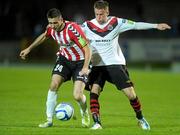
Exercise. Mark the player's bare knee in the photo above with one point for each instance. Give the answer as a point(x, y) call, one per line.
point(54, 85)
point(130, 93)
point(96, 89)
point(132, 96)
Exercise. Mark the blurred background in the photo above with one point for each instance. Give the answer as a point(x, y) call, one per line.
point(22, 21)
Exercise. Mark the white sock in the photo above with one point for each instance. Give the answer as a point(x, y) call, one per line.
point(50, 104)
point(83, 104)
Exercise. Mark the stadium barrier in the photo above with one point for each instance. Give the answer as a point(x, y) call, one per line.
point(137, 51)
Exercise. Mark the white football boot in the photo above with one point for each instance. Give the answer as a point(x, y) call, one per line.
point(46, 124)
point(144, 124)
point(96, 126)
point(85, 118)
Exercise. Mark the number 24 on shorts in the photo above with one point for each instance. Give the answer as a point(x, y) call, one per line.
point(58, 68)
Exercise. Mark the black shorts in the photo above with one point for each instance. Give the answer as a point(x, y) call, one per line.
point(68, 69)
point(115, 74)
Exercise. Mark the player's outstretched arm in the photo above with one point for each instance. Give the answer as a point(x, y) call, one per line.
point(163, 26)
point(41, 38)
point(146, 26)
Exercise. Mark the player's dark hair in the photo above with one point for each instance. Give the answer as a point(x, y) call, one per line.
point(53, 13)
point(101, 4)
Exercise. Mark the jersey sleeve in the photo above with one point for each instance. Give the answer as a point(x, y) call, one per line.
point(77, 35)
point(48, 31)
point(145, 26)
point(125, 25)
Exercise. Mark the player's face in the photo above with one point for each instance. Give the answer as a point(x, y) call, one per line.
point(101, 15)
point(56, 23)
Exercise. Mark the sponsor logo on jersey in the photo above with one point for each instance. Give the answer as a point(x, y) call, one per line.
point(94, 29)
point(104, 40)
point(110, 27)
point(123, 20)
point(67, 45)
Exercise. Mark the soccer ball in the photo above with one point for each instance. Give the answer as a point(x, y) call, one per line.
point(64, 111)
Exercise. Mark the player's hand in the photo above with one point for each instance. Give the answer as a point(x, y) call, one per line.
point(24, 53)
point(163, 26)
point(84, 71)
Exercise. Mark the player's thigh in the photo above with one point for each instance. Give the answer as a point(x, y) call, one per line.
point(56, 82)
point(119, 76)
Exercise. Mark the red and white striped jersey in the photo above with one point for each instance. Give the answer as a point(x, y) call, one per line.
point(71, 41)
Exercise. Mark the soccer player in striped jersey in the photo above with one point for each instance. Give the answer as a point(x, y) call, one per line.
point(108, 60)
point(72, 62)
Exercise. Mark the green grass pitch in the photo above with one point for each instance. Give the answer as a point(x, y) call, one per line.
point(23, 93)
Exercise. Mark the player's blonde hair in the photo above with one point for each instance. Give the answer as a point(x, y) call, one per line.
point(101, 4)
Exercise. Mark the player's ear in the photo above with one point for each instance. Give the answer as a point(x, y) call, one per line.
point(60, 18)
point(107, 11)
